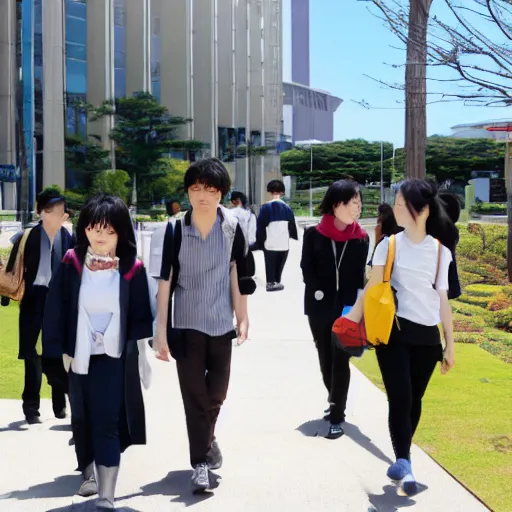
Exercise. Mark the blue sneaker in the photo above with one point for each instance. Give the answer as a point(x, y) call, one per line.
point(408, 486)
point(399, 470)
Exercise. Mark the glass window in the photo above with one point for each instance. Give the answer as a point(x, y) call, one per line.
point(156, 90)
point(119, 39)
point(119, 13)
point(38, 50)
point(119, 59)
point(76, 30)
point(120, 83)
point(76, 9)
point(76, 51)
point(76, 76)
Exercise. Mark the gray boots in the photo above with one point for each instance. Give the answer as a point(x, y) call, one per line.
point(107, 478)
point(88, 486)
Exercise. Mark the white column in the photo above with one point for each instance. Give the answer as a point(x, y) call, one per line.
point(54, 171)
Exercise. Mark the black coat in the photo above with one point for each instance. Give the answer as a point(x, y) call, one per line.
point(319, 272)
point(60, 326)
point(33, 252)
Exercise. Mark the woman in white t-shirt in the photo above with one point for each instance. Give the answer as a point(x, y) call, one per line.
point(246, 218)
point(420, 279)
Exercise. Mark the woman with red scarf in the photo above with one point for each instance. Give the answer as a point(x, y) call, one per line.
point(334, 256)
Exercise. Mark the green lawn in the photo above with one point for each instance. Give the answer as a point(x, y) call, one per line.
point(11, 369)
point(467, 422)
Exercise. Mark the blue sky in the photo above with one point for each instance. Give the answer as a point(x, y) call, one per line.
point(347, 42)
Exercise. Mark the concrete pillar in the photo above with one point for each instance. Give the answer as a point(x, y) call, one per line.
point(138, 46)
point(8, 96)
point(100, 62)
point(177, 57)
point(54, 171)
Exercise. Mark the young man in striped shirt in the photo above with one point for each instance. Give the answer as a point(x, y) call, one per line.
point(208, 269)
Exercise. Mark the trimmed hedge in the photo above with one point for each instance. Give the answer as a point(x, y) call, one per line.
point(483, 290)
point(490, 208)
point(482, 302)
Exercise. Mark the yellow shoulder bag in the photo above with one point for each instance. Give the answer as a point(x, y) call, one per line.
point(379, 303)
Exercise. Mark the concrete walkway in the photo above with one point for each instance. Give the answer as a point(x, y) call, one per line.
point(270, 431)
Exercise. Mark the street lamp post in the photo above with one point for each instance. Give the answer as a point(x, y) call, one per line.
point(382, 172)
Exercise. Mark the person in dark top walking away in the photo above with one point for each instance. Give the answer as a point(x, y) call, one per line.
point(275, 226)
point(208, 268)
point(420, 280)
point(451, 204)
point(334, 255)
point(386, 225)
point(46, 244)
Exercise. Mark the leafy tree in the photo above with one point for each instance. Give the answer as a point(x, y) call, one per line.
point(114, 183)
point(170, 183)
point(144, 131)
point(86, 157)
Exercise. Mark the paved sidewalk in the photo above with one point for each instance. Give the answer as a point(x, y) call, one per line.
point(270, 430)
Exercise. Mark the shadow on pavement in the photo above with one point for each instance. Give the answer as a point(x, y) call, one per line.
point(15, 426)
point(176, 484)
point(61, 487)
point(61, 428)
point(318, 428)
point(389, 501)
point(88, 506)
point(365, 442)
point(313, 428)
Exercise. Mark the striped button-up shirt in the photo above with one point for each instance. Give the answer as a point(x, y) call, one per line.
point(202, 299)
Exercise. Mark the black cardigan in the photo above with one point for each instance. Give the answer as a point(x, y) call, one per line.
point(319, 272)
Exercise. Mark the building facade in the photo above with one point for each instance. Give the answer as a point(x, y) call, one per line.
point(308, 113)
point(215, 62)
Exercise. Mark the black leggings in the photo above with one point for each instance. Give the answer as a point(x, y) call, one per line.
point(406, 369)
point(334, 365)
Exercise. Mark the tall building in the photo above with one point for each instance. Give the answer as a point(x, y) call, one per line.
point(308, 113)
point(215, 62)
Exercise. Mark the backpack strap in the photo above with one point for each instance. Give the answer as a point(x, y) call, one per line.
point(390, 260)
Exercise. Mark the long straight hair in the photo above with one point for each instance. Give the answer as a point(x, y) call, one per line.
point(105, 210)
point(418, 194)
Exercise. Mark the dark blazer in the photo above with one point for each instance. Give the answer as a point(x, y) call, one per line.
point(319, 272)
point(60, 325)
point(33, 254)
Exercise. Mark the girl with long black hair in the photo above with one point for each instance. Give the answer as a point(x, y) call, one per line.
point(420, 279)
point(97, 308)
point(334, 255)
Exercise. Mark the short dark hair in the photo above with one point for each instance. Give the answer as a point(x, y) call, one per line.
point(276, 187)
point(452, 205)
point(209, 172)
point(239, 196)
point(168, 206)
point(387, 220)
point(48, 197)
point(341, 191)
point(102, 210)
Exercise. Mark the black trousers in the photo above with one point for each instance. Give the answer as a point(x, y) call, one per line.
point(274, 265)
point(406, 369)
point(30, 325)
point(334, 365)
point(203, 373)
point(96, 405)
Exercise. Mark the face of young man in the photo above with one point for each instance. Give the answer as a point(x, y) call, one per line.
point(54, 217)
point(203, 198)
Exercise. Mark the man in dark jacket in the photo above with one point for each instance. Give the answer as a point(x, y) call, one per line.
point(46, 244)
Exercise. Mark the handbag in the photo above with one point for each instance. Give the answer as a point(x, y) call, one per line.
point(349, 336)
point(12, 283)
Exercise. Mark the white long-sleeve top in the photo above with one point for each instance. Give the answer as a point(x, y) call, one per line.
point(99, 318)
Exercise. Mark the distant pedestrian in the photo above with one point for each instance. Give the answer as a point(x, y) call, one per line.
point(44, 246)
point(386, 225)
point(334, 255)
point(173, 209)
point(420, 279)
point(97, 309)
point(206, 273)
point(275, 226)
point(246, 218)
